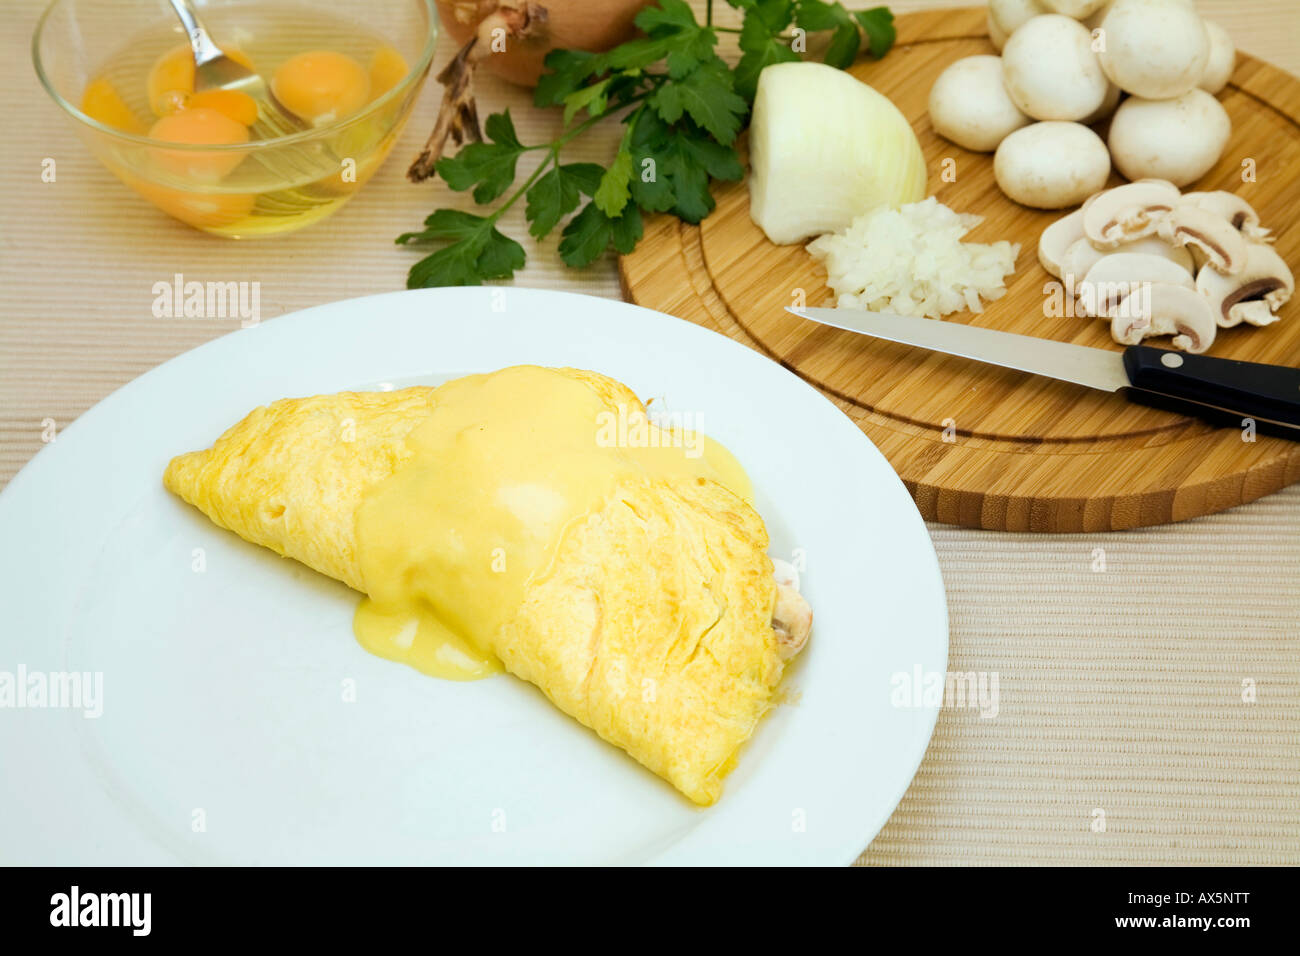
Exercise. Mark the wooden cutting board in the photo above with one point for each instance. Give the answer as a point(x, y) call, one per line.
point(977, 445)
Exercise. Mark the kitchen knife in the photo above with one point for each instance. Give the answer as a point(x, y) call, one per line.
point(1222, 391)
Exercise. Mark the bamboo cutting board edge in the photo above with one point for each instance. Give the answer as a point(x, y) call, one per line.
point(1157, 469)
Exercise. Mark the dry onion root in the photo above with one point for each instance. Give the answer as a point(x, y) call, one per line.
point(458, 115)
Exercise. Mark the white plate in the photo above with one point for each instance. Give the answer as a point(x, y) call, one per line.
point(225, 736)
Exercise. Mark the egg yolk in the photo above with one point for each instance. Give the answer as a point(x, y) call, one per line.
point(387, 69)
point(321, 86)
point(238, 106)
point(202, 210)
point(200, 126)
point(101, 102)
point(174, 73)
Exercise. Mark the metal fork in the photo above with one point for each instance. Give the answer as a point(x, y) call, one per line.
point(214, 70)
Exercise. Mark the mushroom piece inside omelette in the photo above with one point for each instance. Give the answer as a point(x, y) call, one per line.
point(535, 520)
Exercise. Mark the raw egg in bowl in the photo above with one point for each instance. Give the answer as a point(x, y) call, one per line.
point(125, 75)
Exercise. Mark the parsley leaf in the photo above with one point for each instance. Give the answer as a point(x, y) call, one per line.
point(478, 251)
point(557, 193)
point(567, 70)
point(590, 232)
point(843, 48)
point(613, 193)
point(706, 95)
point(488, 167)
point(878, 24)
point(675, 164)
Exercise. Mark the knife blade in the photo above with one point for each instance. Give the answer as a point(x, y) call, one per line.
point(1222, 391)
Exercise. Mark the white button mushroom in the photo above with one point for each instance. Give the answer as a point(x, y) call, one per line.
point(970, 106)
point(997, 36)
point(1010, 15)
point(1107, 107)
point(1051, 165)
point(1222, 60)
point(1156, 49)
point(1176, 139)
point(1051, 71)
point(1078, 9)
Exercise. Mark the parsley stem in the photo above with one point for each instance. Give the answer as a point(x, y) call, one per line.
point(553, 152)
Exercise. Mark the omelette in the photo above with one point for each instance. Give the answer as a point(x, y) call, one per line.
point(533, 520)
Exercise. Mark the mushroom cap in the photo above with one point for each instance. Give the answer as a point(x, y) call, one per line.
point(997, 36)
point(1177, 139)
point(1010, 15)
point(1222, 59)
point(1160, 308)
point(1253, 295)
point(1051, 71)
point(1225, 248)
point(1108, 106)
point(970, 106)
point(1114, 277)
point(1051, 165)
point(1128, 212)
point(1083, 254)
point(1078, 9)
point(1156, 49)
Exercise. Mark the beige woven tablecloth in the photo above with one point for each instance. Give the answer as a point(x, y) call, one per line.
point(1121, 690)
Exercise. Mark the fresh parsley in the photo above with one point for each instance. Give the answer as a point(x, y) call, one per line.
point(682, 107)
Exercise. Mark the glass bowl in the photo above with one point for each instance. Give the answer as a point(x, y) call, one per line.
point(95, 57)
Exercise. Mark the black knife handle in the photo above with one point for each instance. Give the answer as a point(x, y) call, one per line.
point(1223, 391)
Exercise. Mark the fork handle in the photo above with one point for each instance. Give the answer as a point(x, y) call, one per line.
point(202, 45)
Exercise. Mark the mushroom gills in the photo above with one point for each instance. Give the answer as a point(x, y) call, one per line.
point(1128, 212)
point(1233, 208)
point(1224, 248)
point(1253, 295)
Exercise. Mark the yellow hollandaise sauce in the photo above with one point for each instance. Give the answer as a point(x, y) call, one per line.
point(504, 464)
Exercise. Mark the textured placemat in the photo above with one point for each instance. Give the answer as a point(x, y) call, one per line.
point(1148, 706)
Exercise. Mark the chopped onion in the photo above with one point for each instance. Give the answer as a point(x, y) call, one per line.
point(911, 261)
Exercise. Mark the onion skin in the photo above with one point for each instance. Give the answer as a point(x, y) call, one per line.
point(593, 25)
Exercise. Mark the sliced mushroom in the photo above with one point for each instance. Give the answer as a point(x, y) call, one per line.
point(1128, 212)
point(1233, 208)
point(1120, 274)
point(791, 620)
point(1223, 246)
point(1083, 255)
point(1057, 238)
point(1253, 295)
point(1163, 309)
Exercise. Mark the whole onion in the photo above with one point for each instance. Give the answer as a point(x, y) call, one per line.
point(593, 25)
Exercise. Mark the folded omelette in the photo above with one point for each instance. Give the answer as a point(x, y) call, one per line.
point(532, 519)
